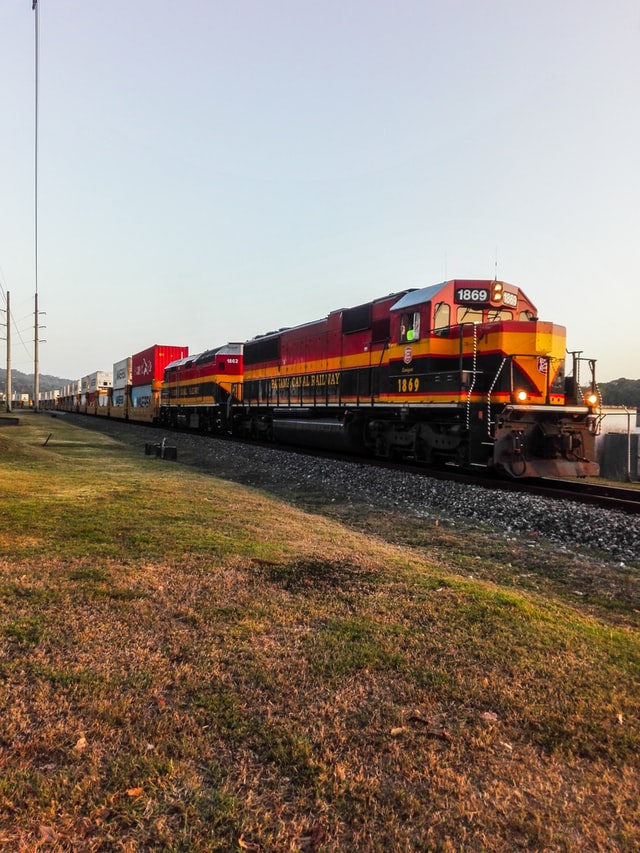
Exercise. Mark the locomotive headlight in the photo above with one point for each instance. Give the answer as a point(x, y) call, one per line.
point(592, 400)
point(521, 396)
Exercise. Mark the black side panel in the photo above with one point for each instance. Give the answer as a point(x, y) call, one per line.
point(264, 349)
point(356, 319)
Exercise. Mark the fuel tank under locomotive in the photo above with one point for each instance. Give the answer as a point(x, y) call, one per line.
point(305, 428)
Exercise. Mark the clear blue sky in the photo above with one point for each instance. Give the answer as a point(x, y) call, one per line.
point(212, 170)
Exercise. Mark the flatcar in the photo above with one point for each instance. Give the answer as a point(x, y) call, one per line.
point(460, 372)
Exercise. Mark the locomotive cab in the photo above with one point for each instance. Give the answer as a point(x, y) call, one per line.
point(489, 380)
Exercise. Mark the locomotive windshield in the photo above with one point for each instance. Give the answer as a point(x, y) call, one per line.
point(477, 315)
point(495, 314)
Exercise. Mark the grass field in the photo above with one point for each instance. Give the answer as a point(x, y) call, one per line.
point(189, 665)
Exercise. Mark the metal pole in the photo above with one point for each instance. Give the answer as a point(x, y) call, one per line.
point(628, 444)
point(8, 352)
point(36, 360)
point(36, 364)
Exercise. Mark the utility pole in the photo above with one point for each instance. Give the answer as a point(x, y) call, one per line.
point(8, 351)
point(36, 359)
point(36, 362)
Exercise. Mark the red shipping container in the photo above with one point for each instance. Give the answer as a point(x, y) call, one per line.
point(148, 366)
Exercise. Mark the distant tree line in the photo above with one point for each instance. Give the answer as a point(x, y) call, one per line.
point(621, 392)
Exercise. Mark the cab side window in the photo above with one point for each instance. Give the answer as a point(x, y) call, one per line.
point(410, 327)
point(442, 319)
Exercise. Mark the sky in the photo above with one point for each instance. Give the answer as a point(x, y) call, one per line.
point(209, 171)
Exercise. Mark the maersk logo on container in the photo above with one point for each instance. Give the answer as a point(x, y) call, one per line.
point(144, 368)
point(148, 365)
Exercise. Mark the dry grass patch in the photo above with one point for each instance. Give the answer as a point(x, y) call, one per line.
point(189, 666)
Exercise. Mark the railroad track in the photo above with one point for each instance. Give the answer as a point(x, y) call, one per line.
point(621, 498)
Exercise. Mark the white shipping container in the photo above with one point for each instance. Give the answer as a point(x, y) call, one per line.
point(122, 373)
point(99, 379)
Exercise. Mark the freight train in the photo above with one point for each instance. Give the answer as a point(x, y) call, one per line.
point(460, 373)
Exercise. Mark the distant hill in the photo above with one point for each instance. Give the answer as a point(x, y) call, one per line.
point(22, 383)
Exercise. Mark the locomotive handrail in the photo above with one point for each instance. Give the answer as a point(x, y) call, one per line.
point(474, 373)
point(493, 385)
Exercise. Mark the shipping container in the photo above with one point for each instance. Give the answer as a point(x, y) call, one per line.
point(148, 366)
point(122, 373)
point(118, 397)
point(141, 397)
point(99, 379)
point(145, 403)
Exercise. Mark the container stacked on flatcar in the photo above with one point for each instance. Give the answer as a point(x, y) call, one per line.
point(121, 388)
point(68, 400)
point(147, 372)
point(98, 392)
point(462, 372)
point(201, 391)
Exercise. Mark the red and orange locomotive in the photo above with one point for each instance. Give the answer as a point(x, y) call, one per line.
point(461, 372)
point(199, 390)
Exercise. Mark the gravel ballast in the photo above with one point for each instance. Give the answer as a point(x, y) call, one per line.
point(310, 481)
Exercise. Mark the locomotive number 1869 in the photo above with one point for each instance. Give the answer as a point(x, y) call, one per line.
point(468, 294)
point(408, 384)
